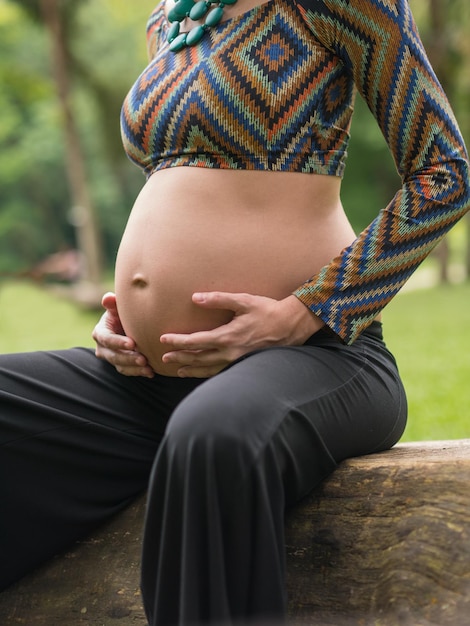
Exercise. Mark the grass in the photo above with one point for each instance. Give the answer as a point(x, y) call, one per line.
point(32, 318)
point(427, 329)
point(429, 333)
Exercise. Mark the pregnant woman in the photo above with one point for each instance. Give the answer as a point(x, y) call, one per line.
point(241, 357)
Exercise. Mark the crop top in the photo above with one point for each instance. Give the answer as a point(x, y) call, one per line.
point(273, 89)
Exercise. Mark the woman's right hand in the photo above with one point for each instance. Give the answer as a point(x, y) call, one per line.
point(113, 346)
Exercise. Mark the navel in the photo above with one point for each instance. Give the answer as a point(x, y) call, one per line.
point(139, 281)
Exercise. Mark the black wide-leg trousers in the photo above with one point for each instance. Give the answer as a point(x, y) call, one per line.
point(221, 459)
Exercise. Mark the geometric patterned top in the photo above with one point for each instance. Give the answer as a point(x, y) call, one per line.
point(274, 88)
point(255, 93)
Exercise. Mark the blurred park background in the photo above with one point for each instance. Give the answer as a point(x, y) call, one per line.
point(66, 189)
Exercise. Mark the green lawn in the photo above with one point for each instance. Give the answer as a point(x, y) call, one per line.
point(428, 330)
point(34, 319)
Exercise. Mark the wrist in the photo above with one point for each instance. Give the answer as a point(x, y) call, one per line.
point(303, 322)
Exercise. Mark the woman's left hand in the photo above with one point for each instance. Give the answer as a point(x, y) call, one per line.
point(258, 322)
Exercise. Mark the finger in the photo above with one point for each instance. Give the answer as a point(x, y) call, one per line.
point(203, 340)
point(112, 341)
point(108, 301)
point(188, 357)
point(120, 357)
point(221, 300)
point(126, 363)
point(126, 358)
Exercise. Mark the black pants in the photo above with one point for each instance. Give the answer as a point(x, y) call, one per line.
point(224, 455)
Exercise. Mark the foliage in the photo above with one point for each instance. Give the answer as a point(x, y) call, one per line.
point(25, 149)
point(35, 211)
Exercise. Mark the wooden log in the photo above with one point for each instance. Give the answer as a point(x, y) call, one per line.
point(384, 541)
point(95, 583)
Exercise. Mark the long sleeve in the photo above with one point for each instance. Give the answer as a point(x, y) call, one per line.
point(379, 46)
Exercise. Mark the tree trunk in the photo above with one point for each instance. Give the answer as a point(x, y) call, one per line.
point(83, 214)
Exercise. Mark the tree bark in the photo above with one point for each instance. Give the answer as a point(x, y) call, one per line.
point(385, 540)
point(83, 214)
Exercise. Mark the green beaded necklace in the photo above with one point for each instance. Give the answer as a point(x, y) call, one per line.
point(195, 10)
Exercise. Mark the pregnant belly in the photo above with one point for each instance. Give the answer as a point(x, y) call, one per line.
point(175, 245)
point(157, 274)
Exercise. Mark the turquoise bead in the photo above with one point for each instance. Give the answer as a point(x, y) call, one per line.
point(196, 10)
point(178, 43)
point(174, 15)
point(186, 5)
point(199, 10)
point(195, 35)
point(174, 31)
point(214, 17)
point(180, 10)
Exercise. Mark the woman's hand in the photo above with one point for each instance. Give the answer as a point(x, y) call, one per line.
point(258, 322)
point(113, 346)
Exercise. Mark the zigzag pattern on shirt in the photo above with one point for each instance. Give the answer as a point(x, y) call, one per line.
point(254, 94)
point(274, 89)
point(379, 45)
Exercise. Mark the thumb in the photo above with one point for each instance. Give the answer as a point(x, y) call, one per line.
point(108, 301)
point(113, 321)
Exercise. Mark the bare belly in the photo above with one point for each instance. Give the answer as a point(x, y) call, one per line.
point(194, 230)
